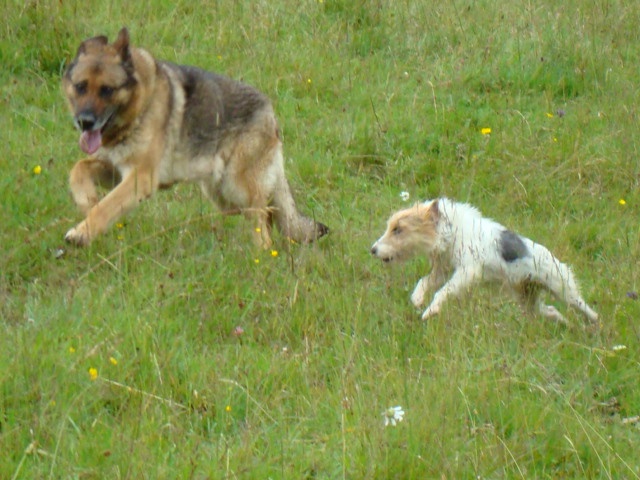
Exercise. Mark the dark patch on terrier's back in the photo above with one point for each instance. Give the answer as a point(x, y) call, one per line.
point(512, 247)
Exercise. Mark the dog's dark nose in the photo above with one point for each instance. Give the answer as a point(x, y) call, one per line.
point(374, 250)
point(86, 121)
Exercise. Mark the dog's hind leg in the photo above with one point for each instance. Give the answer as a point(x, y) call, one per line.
point(260, 218)
point(528, 293)
point(577, 302)
point(550, 312)
point(257, 211)
point(571, 294)
point(563, 285)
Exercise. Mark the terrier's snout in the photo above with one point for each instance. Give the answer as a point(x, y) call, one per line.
point(374, 250)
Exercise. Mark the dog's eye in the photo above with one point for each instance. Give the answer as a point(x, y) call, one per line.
point(396, 230)
point(81, 88)
point(106, 92)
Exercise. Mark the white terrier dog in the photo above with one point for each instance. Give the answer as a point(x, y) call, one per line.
point(466, 248)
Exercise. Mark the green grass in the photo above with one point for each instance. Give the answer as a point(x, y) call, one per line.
point(374, 98)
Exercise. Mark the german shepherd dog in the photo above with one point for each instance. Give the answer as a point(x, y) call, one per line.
point(147, 124)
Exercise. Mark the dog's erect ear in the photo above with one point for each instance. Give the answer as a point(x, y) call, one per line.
point(99, 41)
point(122, 45)
point(429, 211)
point(434, 211)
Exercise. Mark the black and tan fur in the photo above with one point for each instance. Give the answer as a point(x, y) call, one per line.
point(147, 124)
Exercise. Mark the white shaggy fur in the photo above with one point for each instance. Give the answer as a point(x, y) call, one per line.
point(466, 248)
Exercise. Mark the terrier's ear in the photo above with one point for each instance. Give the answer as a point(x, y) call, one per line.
point(122, 45)
point(429, 212)
point(434, 211)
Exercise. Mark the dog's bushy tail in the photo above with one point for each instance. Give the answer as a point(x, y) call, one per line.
point(291, 223)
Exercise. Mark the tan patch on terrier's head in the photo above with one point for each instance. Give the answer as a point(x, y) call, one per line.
point(409, 231)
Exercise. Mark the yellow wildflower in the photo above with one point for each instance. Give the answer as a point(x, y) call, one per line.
point(227, 408)
point(93, 373)
point(37, 170)
point(274, 253)
point(549, 115)
point(622, 201)
point(256, 261)
point(72, 350)
point(119, 225)
point(113, 361)
point(485, 131)
point(258, 229)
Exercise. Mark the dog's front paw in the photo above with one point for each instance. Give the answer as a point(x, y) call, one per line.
point(417, 297)
point(78, 235)
point(431, 311)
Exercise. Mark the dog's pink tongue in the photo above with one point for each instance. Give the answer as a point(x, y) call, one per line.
point(90, 141)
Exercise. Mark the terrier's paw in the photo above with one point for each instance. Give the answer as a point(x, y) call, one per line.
point(78, 235)
point(417, 297)
point(550, 312)
point(432, 311)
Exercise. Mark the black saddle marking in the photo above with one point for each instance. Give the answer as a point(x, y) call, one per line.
point(512, 247)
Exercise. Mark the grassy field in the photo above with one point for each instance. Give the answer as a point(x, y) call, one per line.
point(124, 360)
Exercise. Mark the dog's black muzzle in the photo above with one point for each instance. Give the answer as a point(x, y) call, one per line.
point(85, 121)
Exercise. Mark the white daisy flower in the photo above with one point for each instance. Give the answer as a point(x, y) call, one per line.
point(404, 196)
point(393, 415)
